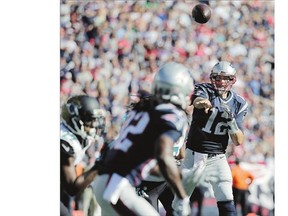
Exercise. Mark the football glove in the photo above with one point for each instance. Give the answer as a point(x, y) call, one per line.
point(227, 112)
point(232, 124)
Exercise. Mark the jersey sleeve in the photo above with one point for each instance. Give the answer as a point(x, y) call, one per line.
point(241, 113)
point(199, 91)
point(69, 144)
point(173, 123)
point(66, 148)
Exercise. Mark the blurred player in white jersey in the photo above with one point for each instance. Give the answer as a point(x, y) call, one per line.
point(82, 119)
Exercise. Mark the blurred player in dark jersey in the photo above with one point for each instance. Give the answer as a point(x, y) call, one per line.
point(145, 143)
point(218, 114)
point(155, 188)
point(82, 121)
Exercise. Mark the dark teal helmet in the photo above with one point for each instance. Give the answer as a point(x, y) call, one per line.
point(80, 112)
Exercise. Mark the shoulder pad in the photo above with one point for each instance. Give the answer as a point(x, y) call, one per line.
point(67, 135)
point(69, 142)
point(66, 148)
point(173, 115)
point(243, 103)
point(204, 90)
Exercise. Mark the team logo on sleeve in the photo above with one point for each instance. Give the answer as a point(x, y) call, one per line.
point(66, 147)
point(174, 119)
point(169, 117)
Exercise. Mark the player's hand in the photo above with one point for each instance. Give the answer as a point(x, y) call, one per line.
point(206, 104)
point(232, 124)
point(227, 112)
point(181, 207)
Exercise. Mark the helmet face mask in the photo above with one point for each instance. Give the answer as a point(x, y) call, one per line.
point(223, 77)
point(83, 116)
point(93, 120)
point(173, 83)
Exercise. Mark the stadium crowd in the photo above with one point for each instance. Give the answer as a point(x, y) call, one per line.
point(110, 49)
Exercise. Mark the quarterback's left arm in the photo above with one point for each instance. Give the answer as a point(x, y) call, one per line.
point(237, 137)
point(235, 126)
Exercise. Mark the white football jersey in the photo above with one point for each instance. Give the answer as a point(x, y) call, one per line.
point(71, 145)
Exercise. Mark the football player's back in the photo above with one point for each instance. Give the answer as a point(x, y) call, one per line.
point(138, 134)
point(146, 139)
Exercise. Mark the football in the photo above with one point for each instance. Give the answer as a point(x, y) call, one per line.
point(201, 13)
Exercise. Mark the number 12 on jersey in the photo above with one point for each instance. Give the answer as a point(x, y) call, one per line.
point(218, 128)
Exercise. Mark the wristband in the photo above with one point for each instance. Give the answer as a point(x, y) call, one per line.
point(232, 126)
